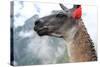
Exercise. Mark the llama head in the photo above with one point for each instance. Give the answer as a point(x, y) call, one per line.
point(59, 24)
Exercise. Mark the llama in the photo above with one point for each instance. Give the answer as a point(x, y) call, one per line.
point(62, 24)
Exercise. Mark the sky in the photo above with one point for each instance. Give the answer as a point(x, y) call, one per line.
point(89, 14)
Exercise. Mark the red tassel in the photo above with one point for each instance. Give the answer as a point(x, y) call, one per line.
point(77, 13)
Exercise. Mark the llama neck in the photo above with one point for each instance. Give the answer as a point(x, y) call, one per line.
point(81, 48)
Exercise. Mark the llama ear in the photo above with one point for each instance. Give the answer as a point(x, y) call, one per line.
point(76, 6)
point(63, 7)
point(77, 13)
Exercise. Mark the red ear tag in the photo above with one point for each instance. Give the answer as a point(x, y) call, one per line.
point(77, 13)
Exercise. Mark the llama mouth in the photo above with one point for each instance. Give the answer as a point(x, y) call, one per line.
point(42, 32)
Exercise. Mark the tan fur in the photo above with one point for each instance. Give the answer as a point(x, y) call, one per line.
point(81, 47)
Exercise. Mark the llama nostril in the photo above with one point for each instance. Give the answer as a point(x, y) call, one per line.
point(37, 22)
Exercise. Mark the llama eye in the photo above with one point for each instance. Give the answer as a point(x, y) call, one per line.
point(60, 15)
